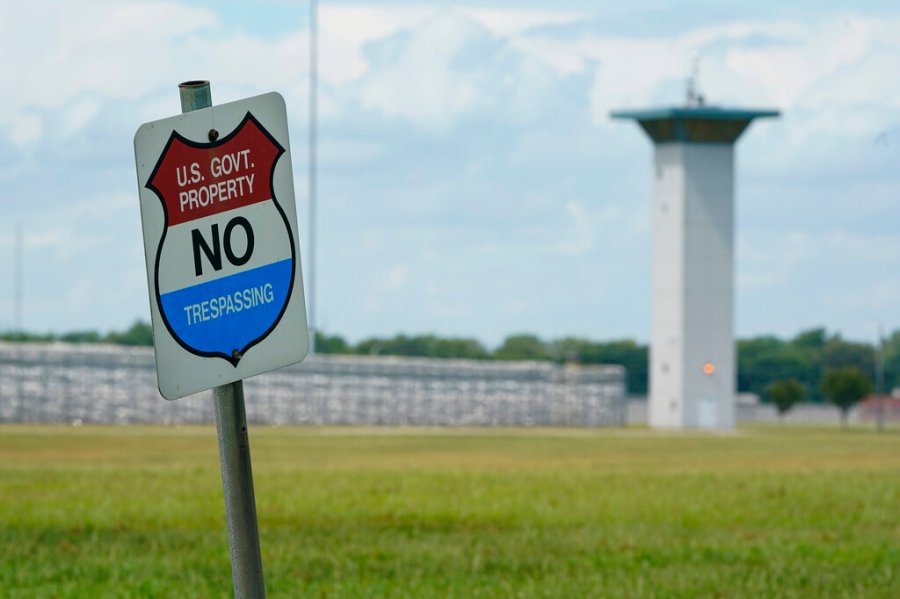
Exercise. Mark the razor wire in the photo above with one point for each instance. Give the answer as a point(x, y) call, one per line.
point(75, 383)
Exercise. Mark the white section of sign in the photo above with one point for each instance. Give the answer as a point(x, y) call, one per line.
point(182, 372)
point(180, 272)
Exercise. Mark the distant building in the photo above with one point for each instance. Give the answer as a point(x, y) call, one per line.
point(869, 409)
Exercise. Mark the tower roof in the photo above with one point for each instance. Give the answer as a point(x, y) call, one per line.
point(697, 124)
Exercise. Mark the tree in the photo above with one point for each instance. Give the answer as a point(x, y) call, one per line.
point(24, 337)
point(892, 360)
point(625, 352)
point(838, 353)
point(844, 387)
point(139, 333)
point(470, 349)
point(330, 344)
point(785, 394)
point(522, 347)
point(813, 339)
point(765, 360)
point(80, 337)
point(428, 346)
point(810, 346)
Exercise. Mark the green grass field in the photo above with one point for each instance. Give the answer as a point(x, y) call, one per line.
point(765, 512)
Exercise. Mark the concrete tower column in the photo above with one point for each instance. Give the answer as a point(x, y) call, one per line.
point(693, 367)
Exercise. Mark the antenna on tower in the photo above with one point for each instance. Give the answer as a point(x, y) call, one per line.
point(694, 98)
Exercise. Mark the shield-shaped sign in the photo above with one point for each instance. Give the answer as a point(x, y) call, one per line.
point(220, 242)
point(217, 198)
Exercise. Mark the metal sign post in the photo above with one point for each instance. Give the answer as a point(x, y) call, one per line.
point(234, 444)
point(237, 484)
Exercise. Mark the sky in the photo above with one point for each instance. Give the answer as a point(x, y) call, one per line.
point(471, 182)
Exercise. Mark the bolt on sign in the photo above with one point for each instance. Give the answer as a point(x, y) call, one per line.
point(221, 244)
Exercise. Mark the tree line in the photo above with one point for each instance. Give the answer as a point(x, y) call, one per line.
point(762, 361)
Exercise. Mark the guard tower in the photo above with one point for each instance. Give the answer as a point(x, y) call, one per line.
point(692, 353)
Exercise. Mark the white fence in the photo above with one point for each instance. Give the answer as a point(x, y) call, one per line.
point(806, 413)
point(112, 384)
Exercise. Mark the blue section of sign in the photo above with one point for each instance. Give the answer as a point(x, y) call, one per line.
point(227, 314)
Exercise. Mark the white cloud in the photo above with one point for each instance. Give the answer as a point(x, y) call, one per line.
point(855, 246)
point(348, 153)
point(345, 30)
point(420, 83)
point(584, 224)
point(835, 66)
point(25, 130)
point(117, 50)
point(471, 141)
point(96, 52)
point(135, 49)
point(77, 114)
point(831, 67)
point(580, 239)
point(512, 22)
point(385, 286)
point(454, 66)
point(771, 261)
point(397, 277)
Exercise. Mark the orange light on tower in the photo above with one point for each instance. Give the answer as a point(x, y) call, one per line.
point(709, 368)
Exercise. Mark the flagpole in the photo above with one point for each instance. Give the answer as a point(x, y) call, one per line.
point(313, 140)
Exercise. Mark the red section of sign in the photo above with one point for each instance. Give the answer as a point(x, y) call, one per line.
point(196, 180)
